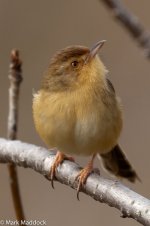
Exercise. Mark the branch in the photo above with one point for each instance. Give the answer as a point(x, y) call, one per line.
point(131, 23)
point(15, 77)
point(103, 190)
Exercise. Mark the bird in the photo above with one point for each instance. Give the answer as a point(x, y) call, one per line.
point(78, 112)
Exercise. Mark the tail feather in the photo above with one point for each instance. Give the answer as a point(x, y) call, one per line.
point(116, 163)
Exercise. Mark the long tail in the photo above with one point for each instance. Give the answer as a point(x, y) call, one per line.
point(116, 163)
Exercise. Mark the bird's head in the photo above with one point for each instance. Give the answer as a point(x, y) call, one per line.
point(72, 67)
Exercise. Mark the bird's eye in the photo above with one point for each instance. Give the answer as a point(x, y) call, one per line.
point(74, 64)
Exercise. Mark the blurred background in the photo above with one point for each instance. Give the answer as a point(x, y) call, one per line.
point(38, 29)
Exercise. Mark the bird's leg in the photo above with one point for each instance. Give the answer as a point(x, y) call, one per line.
point(83, 175)
point(59, 158)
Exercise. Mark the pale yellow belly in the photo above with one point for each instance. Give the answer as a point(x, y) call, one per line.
point(80, 130)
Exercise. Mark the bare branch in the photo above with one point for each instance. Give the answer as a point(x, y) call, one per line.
point(15, 77)
point(103, 190)
point(131, 23)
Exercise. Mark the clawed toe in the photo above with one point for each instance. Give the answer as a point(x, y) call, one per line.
point(60, 157)
point(81, 178)
point(83, 175)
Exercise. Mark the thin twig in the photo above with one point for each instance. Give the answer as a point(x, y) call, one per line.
point(15, 77)
point(131, 23)
point(103, 190)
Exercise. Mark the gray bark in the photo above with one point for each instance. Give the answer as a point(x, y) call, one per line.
point(103, 190)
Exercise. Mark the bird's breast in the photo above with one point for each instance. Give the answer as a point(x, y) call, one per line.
point(76, 124)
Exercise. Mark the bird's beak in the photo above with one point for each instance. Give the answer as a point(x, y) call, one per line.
point(94, 51)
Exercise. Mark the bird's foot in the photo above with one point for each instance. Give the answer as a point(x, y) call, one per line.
point(59, 158)
point(82, 177)
point(84, 173)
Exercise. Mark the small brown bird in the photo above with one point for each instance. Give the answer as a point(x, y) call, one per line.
point(77, 111)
